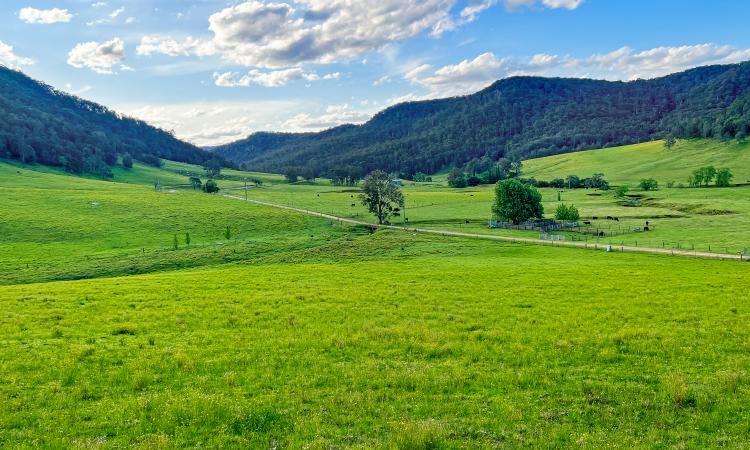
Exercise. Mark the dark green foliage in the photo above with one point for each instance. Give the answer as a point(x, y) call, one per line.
point(567, 213)
point(420, 177)
point(670, 141)
point(195, 182)
point(473, 181)
point(175, 243)
point(648, 184)
point(291, 174)
point(43, 125)
point(723, 177)
point(213, 167)
point(702, 176)
point(210, 187)
point(381, 196)
point(517, 202)
point(228, 233)
point(127, 161)
point(517, 118)
point(457, 178)
point(187, 239)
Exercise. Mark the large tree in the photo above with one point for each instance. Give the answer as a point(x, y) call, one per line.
point(517, 202)
point(381, 195)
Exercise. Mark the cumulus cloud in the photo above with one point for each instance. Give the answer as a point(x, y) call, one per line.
point(622, 64)
point(44, 16)
point(334, 115)
point(151, 45)
point(101, 58)
point(214, 123)
point(275, 78)
point(9, 59)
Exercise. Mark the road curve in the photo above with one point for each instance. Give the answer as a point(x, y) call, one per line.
point(586, 245)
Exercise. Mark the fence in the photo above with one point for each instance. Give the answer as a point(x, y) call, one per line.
point(539, 225)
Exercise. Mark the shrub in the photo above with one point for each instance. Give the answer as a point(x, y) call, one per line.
point(620, 191)
point(473, 181)
point(567, 213)
point(127, 161)
point(210, 187)
point(648, 184)
point(457, 179)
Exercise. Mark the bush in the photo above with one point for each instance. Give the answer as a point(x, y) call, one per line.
point(567, 213)
point(648, 184)
point(210, 187)
point(620, 191)
point(127, 161)
point(457, 179)
point(474, 181)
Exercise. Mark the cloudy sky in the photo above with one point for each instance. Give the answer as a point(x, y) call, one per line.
point(214, 71)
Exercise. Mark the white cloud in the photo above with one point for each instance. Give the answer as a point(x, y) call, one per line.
point(275, 78)
point(214, 123)
point(111, 17)
point(100, 58)
point(335, 115)
point(151, 45)
point(623, 64)
point(9, 59)
point(279, 35)
point(44, 16)
point(98, 4)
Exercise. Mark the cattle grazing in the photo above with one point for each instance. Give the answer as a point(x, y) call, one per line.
point(645, 229)
point(595, 218)
point(617, 219)
point(610, 218)
point(586, 222)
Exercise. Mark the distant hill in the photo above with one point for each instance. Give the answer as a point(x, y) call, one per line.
point(41, 124)
point(631, 163)
point(517, 118)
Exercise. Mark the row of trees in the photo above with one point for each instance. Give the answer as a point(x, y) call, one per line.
point(704, 176)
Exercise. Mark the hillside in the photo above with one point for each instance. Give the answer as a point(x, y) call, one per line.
point(632, 163)
point(520, 117)
point(41, 124)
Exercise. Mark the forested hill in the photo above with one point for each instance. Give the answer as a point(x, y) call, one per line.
point(517, 118)
point(43, 125)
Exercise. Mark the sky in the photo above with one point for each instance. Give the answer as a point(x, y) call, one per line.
point(216, 71)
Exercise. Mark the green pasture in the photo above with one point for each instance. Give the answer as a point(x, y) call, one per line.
point(296, 332)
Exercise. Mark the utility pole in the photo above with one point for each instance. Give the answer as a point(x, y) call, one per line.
point(245, 189)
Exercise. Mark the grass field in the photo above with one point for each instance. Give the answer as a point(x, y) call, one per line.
point(704, 219)
point(299, 333)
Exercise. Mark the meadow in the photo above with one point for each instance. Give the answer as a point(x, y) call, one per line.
point(701, 219)
point(296, 332)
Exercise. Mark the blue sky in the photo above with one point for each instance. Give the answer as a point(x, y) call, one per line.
point(215, 71)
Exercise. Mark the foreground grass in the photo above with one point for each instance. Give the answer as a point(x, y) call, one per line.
point(460, 344)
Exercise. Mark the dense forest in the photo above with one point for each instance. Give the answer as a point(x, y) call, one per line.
point(516, 118)
point(41, 124)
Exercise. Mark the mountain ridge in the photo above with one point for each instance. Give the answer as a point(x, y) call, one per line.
point(516, 117)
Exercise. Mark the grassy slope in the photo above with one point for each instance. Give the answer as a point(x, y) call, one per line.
point(325, 336)
point(704, 219)
point(630, 164)
point(538, 347)
point(61, 227)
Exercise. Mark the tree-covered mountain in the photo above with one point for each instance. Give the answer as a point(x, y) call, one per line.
point(516, 118)
point(41, 124)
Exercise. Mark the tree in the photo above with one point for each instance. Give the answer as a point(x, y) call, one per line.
point(127, 161)
point(573, 182)
point(213, 167)
point(516, 169)
point(517, 202)
point(195, 182)
point(420, 177)
point(567, 213)
point(456, 178)
point(648, 184)
point(291, 174)
point(620, 191)
point(381, 196)
point(473, 181)
point(210, 187)
point(256, 181)
point(670, 141)
point(187, 239)
point(175, 243)
point(723, 177)
point(709, 173)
